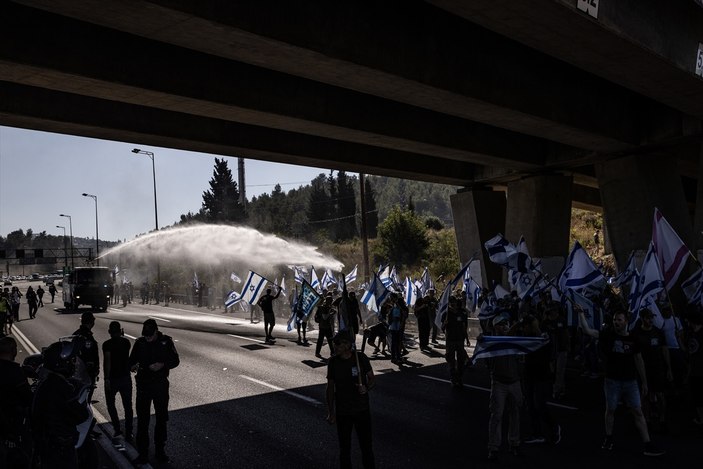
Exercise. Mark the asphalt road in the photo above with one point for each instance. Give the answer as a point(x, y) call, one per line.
point(237, 402)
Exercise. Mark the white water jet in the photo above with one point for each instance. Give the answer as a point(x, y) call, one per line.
point(221, 245)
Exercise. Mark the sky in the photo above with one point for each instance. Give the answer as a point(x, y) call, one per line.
point(43, 175)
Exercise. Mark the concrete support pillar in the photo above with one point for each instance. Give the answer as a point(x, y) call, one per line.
point(539, 208)
point(479, 214)
point(630, 188)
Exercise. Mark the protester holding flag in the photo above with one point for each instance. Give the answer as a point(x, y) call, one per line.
point(324, 317)
point(455, 327)
point(623, 365)
point(422, 315)
point(266, 304)
point(506, 392)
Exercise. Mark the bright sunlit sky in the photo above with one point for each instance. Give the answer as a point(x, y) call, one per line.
point(43, 175)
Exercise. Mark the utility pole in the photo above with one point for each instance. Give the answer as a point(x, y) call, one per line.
point(242, 183)
point(364, 231)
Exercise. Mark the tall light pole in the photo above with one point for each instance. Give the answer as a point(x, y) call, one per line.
point(70, 227)
point(97, 246)
point(156, 210)
point(65, 248)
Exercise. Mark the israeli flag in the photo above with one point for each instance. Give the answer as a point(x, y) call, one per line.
point(500, 249)
point(195, 280)
point(253, 288)
point(651, 280)
point(385, 277)
point(375, 295)
point(427, 283)
point(592, 313)
point(500, 346)
point(444, 299)
point(693, 287)
point(314, 281)
point(282, 286)
point(579, 271)
point(351, 276)
point(410, 293)
point(232, 299)
point(235, 278)
point(472, 291)
point(299, 276)
point(626, 276)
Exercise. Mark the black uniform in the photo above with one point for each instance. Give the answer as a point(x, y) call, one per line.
point(152, 386)
point(89, 352)
point(15, 400)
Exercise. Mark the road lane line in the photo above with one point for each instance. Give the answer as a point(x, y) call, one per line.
point(160, 319)
point(480, 388)
point(247, 338)
point(29, 346)
point(276, 388)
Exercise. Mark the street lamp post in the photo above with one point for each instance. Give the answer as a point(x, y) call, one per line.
point(65, 248)
point(97, 245)
point(156, 210)
point(70, 228)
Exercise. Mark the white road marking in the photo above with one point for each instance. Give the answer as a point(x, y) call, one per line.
point(480, 388)
point(276, 388)
point(247, 338)
point(160, 319)
point(131, 337)
point(23, 340)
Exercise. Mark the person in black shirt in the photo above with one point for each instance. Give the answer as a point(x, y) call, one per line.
point(455, 327)
point(89, 352)
point(623, 365)
point(657, 365)
point(153, 355)
point(266, 303)
point(117, 378)
point(349, 379)
point(324, 317)
point(15, 400)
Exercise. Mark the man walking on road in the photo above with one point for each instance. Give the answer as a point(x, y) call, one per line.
point(349, 379)
point(118, 379)
point(153, 355)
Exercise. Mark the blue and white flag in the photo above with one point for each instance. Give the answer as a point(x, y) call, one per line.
point(308, 299)
point(693, 287)
point(427, 283)
point(327, 280)
point(500, 249)
point(627, 274)
point(253, 288)
point(670, 250)
point(579, 271)
point(232, 299)
point(410, 292)
point(375, 295)
point(444, 299)
point(651, 280)
point(487, 308)
point(591, 311)
point(195, 280)
point(500, 346)
point(396, 281)
point(235, 278)
point(472, 291)
point(314, 281)
point(385, 277)
point(351, 276)
point(293, 310)
point(298, 272)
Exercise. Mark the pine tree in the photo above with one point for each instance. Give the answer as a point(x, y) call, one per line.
point(221, 202)
point(346, 207)
point(371, 211)
point(318, 204)
point(333, 224)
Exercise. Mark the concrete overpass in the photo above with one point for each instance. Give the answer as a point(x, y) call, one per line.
point(540, 100)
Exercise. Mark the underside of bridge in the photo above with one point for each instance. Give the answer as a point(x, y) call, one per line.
point(540, 100)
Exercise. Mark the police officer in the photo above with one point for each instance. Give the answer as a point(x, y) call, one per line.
point(89, 351)
point(15, 400)
point(117, 378)
point(153, 355)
